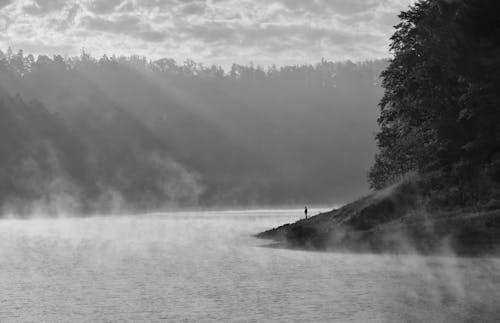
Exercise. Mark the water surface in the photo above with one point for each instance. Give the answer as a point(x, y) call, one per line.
point(205, 266)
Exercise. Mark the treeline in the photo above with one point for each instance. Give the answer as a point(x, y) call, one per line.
point(325, 74)
point(151, 133)
point(440, 113)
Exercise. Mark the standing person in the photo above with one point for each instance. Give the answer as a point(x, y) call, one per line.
point(305, 211)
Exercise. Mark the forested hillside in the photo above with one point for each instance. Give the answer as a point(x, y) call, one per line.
point(440, 114)
point(148, 134)
point(437, 174)
point(31, 141)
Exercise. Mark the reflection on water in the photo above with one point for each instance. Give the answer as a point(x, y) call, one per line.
point(204, 266)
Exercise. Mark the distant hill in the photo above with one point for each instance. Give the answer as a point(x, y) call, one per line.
point(96, 163)
point(155, 133)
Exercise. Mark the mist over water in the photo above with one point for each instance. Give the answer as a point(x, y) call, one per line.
point(205, 266)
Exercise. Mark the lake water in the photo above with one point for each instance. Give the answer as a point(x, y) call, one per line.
point(205, 266)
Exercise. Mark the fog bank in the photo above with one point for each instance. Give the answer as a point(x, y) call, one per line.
point(157, 133)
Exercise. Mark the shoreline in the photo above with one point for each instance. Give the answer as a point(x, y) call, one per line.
point(392, 224)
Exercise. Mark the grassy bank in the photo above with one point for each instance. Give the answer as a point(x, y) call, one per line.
point(394, 221)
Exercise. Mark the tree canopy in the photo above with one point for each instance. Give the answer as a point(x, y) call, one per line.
point(158, 132)
point(440, 113)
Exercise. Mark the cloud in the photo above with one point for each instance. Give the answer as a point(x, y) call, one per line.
point(194, 8)
point(104, 6)
point(337, 6)
point(5, 3)
point(124, 25)
point(262, 34)
point(66, 21)
point(40, 7)
point(209, 31)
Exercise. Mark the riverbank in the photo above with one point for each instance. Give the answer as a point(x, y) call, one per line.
point(393, 222)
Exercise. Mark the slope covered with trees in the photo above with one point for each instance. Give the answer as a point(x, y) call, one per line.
point(437, 173)
point(440, 114)
point(159, 133)
point(98, 164)
point(31, 140)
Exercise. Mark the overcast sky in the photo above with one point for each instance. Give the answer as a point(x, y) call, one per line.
point(209, 31)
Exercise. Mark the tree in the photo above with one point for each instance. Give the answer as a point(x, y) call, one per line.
point(439, 112)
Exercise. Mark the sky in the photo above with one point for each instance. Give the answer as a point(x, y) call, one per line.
point(264, 32)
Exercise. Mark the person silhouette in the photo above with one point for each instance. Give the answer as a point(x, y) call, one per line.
point(305, 211)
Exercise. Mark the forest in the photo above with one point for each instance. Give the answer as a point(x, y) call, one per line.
point(436, 175)
point(97, 135)
point(440, 115)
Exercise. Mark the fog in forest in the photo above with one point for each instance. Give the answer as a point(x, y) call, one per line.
point(99, 134)
point(249, 161)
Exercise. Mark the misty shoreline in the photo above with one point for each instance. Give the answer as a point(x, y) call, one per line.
point(393, 223)
point(219, 211)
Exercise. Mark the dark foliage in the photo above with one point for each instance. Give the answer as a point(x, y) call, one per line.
point(440, 114)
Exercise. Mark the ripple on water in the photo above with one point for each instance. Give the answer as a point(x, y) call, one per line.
point(206, 267)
